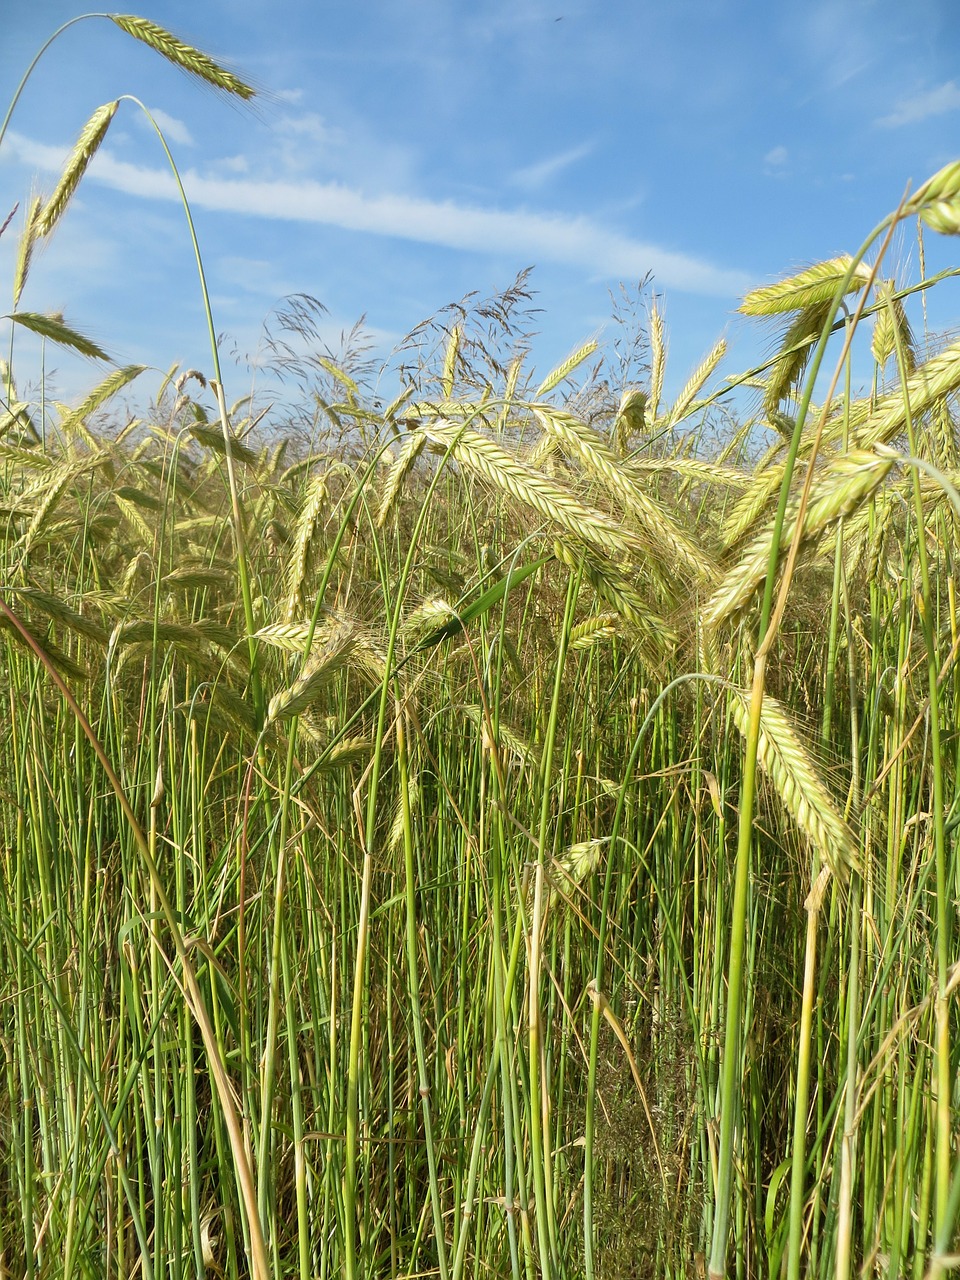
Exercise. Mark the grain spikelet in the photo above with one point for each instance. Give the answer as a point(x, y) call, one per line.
point(557, 375)
point(399, 819)
point(933, 381)
point(506, 737)
point(790, 768)
point(54, 607)
point(752, 504)
point(694, 469)
point(146, 531)
point(54, 485)
point(410, 450)
point(101, 393)
point(602, 626)
point(25, 248)
point(504, 471)
point(182, 55)
point(841, 488)
point(944, 438)
point(616, 589)
point(349, 751)
point(53, 329)
point(316, 496)
point(658, 360)
point(696, 381)
point(212, 438)
point(796, 348)
point(891, 328)
point(814, 286)
point(593, 452)
point(148, 630)
point(450, 357)
point(319, 670)
point(62, 661)
point(574, 865)
point(428, 617)
point(199, 578)
point(85, 148)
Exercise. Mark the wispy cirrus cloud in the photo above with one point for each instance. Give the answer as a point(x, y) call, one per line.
point(536, 237)
point(921, 106)
point(533, 177)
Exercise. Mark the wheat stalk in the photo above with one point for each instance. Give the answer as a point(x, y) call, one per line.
point(891, 329)
point(316, 495)
point(557, 375)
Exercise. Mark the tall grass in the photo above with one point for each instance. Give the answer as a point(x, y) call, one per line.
point(498, 835)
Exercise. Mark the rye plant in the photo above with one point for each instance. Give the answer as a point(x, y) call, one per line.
point(510, 831)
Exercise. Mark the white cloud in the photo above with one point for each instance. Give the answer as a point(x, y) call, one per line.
point(174, 130)
point(933, 102)
point(776, 157)
point(532, 237)
point(535, 176)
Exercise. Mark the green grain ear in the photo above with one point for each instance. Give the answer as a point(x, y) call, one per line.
point(184, 56)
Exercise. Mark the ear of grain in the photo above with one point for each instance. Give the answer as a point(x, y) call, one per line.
point(53, 329)
point(59, 611)
point(506, 472)
point(797, 782)
point(450, 357)
point(752, 504)
point(657, 636)
point(212, 438)
point(848, 482)
point(631, 417)
point(602, 626)
point(182, 55)
point(796, 349)
point(410, 450)
point(661, 529)
point(812, 287)
point(314, 501)
point(696, 381)
point(936, 379)
point(104, 391)
point(556, 376)
point(658, 359)
point(25, 248)
point(319, 670)
point(85, 148)
point(891, 328)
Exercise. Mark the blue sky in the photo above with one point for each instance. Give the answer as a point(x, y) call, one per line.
point(405, 152)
